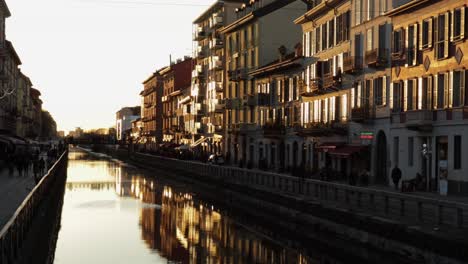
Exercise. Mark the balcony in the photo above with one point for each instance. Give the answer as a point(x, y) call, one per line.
point(419, 119)
point(322, 129)
point(202, 53)
point(352, 65)
point(237, 75)
point(377, 57)
point(275, 129)
point(199, 34)
point(216, 43)
point(362, 114)
point(220, 107)
point(232, 103)
point(329, 81)
point(216, 21)
point(244, 127)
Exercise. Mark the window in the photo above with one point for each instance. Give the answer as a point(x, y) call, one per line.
point(411, 95)
point(426, 34)
point(411, 151)
point(331, 33)
point(339, 29)
point(382, 7)
point(370, 9)
point(396, 150)
point(442, 91)
point(398, 42)
point(442, 36)
point(358, 12)
point(312, 43)
point(379, 91)
point(457, 152)
point(324, 36)
point(426, 93)
point(318, 45)
point(458, 87)
point(397, 96)
point(370, 39)
point(458, 24)
point(346, 25)
point(412, 57)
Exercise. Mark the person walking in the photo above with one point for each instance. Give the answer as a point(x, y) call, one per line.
point(41, 166)
point(396, 176)
point(36, 169)
point(19, 165)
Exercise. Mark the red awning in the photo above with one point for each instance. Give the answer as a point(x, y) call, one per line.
point(346, 151)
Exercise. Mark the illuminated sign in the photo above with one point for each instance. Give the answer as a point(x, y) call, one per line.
point(367, 135)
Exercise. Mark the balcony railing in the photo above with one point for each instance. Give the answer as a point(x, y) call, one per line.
point(200, 34)
point(216, 43)
point(216, 21)
point(237, 75)
point(274, 129)
point(322, 129)
point(377, 57)
point(244, 127)
point(419, 119)
point(362, 114)
point(352, 64)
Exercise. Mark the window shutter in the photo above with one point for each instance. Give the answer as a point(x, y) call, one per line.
point(420, 36)
point(406, 40)
point(450, 89)
point(435, 91)
point(384, 90)
point(415, 39)
point(435, 36)
point(353, 97)
point(312, 43)
point(391, 94)
point(429, 92)
point(452, 25)
point(462, 87)
point(446, 38)
point(462, 23)
point(420, 96)
point(405, 95)
point(359, 94)
point(430, 35)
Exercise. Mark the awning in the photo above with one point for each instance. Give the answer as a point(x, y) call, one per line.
point(327, 146)
point(12, 140)
point(346, 151)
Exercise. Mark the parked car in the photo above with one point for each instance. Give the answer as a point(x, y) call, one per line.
point(216, 159)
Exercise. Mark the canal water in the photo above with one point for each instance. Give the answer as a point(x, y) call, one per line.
point(116, 213)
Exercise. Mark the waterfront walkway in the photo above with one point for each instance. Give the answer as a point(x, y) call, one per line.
point(13, 191)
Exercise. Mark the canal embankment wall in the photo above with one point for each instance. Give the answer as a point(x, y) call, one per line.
point(30, 234)
point(419, 228)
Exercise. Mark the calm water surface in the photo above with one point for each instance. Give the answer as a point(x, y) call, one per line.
point(116, 213)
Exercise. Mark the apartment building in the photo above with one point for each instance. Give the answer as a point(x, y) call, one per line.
point(277, 98)
point(327, 90)
point(206, 107)
point(124, 118)
point(252, 40)
point(152, 111)
point(428, 98)
point(176, 78)
point(9, 75)
point(36, 103)
point(24, 106)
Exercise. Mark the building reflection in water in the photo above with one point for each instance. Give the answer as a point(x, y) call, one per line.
point(185, 230)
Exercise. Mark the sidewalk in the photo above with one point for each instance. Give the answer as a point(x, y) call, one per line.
point(13, 191)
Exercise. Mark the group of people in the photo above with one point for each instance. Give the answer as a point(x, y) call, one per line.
point(33, 160)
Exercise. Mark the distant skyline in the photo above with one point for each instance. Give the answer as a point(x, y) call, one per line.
point(89, 57)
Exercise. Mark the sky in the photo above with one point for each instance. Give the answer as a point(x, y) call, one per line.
point(89, 57)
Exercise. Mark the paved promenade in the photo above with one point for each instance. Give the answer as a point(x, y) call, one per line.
point(13, 191)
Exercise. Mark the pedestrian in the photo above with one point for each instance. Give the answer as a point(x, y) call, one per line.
point(41, 166)
point(36, 169)
point(396, 176)
point(19, 165)
point(10, 164)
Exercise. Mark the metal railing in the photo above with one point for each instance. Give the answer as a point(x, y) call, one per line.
point(407, 208)
point(15, 231)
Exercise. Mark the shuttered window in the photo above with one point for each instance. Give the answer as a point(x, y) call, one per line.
point(426, 93)
point(442, 36)
point(458, 88)
point(398, 42)
point(458, 24)
point(426, 34)
point(412, 49)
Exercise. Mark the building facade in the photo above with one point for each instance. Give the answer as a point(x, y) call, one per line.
point(151, 114)
point(428, 98)
point(205, 122)
point(176, 79)
point(253, 40)
point(124, 119)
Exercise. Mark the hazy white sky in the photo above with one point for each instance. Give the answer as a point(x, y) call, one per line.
point(89, 57)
